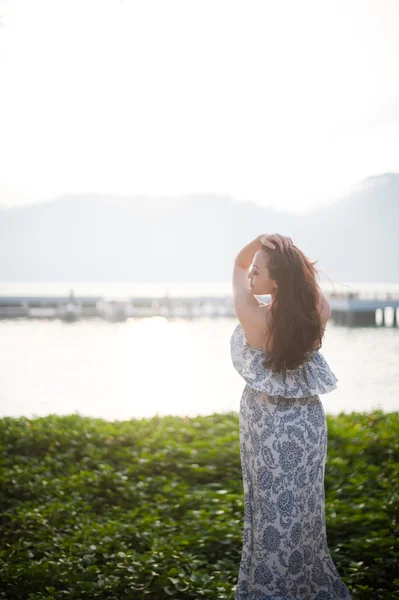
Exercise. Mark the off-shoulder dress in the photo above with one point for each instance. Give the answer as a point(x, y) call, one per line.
point(283, 447)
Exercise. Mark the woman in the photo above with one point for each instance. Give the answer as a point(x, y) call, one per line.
point(283, 430)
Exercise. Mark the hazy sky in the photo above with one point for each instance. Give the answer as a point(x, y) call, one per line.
point(285, 103)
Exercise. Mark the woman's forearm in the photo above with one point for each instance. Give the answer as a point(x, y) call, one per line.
point(246, 254)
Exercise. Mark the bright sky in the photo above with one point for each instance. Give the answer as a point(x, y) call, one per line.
point(284, 103)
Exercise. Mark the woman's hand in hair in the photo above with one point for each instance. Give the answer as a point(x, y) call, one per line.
point(270, 239)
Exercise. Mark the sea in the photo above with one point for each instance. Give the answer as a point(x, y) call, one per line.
point(146, 366)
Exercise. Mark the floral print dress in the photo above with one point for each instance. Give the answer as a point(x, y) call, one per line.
point(283, 447)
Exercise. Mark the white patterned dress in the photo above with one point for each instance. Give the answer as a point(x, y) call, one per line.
point(283, 446)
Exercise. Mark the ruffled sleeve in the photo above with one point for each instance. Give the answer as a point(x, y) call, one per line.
point(313, 377)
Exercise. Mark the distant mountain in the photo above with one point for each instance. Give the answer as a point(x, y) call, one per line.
point(194, 237)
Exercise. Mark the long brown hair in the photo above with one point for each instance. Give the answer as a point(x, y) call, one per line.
point(295, 325)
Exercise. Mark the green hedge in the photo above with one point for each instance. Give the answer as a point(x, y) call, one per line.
point(153, 508)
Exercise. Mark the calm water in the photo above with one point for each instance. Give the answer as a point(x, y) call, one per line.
point(156, 289)
point(143, 366)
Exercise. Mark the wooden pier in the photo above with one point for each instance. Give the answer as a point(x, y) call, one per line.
point(353, 310)
point(72, 307)
point(346, 309)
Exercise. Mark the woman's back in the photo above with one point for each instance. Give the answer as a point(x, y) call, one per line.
point(259, 329)
point(312, 377)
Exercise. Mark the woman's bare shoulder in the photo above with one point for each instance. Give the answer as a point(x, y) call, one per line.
point(257, 330)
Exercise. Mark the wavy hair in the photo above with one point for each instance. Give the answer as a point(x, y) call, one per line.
point(295, 326)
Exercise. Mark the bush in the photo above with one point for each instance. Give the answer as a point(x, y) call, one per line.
point(153, 508)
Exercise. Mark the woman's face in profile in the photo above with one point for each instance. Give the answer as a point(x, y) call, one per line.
point(259, 280)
